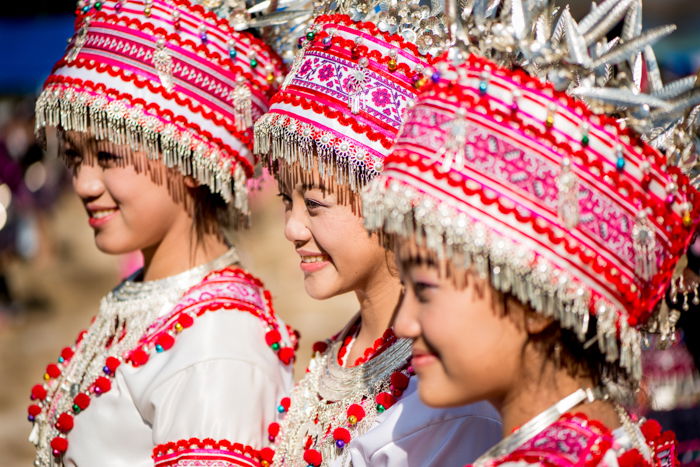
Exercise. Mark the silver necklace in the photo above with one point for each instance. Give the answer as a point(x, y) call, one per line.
point(321, 399)
point(124, 316)
point(536, 425)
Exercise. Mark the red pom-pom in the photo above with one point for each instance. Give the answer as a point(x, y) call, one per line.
point(385, 399)
point(286, 355)
point(53, 370)
point(285, 402)
point(272, 337)
point(102, 385)
point(38, 392)
point(651, 429)
point(273, 429)
point(82, 400)
point(67, 353)
point(312, 457)
point(341, 434)
point(399, 381)
point(59, 444)
point(356, 410)
point(33, 410)
point(165, 340)
point(631, 458)
point(267, 454)
point(138, 357)
point(185, 320)
point(64, 423)
point(320, 347)
point(112, 363)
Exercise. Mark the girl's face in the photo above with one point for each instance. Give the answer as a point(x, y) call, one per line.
point(465, 348)
point(131, 204)
point(336, 252)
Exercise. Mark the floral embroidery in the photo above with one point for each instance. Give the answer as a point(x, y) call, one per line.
point(381, 97)
point(326, 72)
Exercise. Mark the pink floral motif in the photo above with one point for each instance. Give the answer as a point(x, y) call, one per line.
point(381, 97)
point(305, 68)
point(326, 72)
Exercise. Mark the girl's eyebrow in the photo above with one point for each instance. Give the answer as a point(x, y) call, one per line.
point(313, 186)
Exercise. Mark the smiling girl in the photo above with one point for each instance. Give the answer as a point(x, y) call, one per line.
point(325, 136)
point(183, 363)
point(537, 235)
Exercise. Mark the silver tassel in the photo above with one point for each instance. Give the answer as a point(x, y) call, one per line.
point(242, 105)
point(163, 63)
point(644, 244)
point(567, 202)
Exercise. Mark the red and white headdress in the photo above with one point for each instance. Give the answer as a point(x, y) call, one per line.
point(341, 105)
point(170, 78)
point(566, 204)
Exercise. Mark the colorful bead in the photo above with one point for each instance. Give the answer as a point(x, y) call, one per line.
point(380, 408)
point(270, 78)
point(284, 405)
point(275, 346)
point(391, 64)
point(118, 6)
point(300, 42)
point(620, 163)
point(232, 52)
point(253, 62)
point(310, 35)
point(86, 8)
point(687, 220)
point(435, 77)
point(98, 5)
point(327, 41)
point(159, 348)
point(147, 11)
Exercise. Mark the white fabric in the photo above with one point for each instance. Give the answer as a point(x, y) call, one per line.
point(411, 434)
point(220, 380)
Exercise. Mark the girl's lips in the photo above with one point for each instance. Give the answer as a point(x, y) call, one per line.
point(422, 359)
point(313, 266)
point(100, 218)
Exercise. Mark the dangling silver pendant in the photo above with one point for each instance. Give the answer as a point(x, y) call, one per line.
point(644, 244)
point(452, 152)
point(242, 105)
point(163, 63)
point(80, 40)
point(356, 86)
point(567, 202)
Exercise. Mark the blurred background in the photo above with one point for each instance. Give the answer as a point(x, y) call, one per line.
point(51, 274)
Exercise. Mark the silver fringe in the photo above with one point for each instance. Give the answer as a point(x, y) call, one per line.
point(285, 139)
point(402, 211)
point(121, 124)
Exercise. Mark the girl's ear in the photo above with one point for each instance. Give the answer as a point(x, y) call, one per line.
point(190, 182)
point(535, 323)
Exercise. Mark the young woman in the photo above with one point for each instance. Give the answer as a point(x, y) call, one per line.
point(325, 135)
point(185, 360)
point(536, 238)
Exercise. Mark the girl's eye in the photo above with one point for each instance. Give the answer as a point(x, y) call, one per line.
point(286, 200)
point(422, 291)
point(312, 204)
point(72, 157)
point(104, 156)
